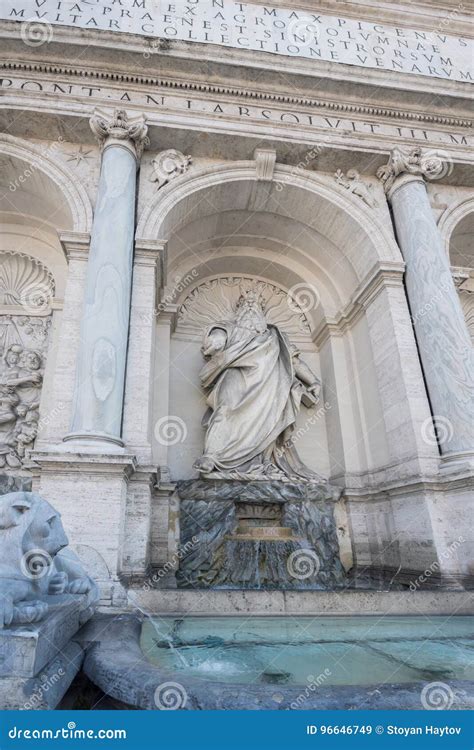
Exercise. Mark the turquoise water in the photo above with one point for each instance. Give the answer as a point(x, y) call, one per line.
point(302, 650)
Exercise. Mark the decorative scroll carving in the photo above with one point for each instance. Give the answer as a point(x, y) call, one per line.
point(412, 161)
point(168, 165)
point(26, 292)
point(120, 127)
point(352, 182)
point(216, 300)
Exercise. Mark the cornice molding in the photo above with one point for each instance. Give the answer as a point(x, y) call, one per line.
point(240, 92)
point(379, 278)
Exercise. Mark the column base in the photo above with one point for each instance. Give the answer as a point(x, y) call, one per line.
point(92, 440)
point(457, 462)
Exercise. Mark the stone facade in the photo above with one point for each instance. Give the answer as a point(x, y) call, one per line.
point(141, 181)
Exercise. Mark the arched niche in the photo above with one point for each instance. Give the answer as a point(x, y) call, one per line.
point(36, 184)
point(458, 230)
point(297, 231)
point(38, 200)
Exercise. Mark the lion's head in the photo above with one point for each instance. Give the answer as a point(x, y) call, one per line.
point(28, 525)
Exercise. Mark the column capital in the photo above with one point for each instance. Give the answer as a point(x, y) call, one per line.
point(118, 129)
point(413, 163)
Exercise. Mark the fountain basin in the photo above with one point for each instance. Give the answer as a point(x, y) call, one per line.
point(282, 663)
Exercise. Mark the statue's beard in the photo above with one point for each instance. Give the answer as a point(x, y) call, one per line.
point(249, 315)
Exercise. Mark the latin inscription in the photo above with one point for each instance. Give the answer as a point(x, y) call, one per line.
point(159, 100)
point(294, 33)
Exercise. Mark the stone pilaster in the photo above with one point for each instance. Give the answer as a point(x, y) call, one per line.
point(148, 266)
point(443, 340)
point(100, 372)
point(65, 340)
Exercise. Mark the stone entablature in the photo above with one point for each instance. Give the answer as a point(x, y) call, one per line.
point(227, 110)
point(287, 32)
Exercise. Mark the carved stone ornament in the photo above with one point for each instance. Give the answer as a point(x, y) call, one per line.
point(216, 300)
point(34, 569)
point(169, 164)
point(26, 291)
point(120, 127)
point(413, 161)
point(352, 182)
point(25, 282)
point(265, 160)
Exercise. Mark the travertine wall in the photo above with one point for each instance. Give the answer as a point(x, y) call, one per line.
point(264, 167)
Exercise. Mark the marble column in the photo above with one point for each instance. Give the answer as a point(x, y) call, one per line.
point(100, 372)
point(443, 339)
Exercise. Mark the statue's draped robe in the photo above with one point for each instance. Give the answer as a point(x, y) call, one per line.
point(253, 400)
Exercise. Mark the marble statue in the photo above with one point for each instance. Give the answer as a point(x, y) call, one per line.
point(255, 381)
point(33, 565)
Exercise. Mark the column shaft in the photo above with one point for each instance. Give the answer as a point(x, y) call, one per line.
point(441, 332)
point(100, 374)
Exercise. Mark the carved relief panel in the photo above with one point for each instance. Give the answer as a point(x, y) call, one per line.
point(216, 299)
point(26, 293)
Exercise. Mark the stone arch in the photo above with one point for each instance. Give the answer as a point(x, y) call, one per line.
point(299, 227)
point(451, 219)
point(163, 210)
point(74, 193)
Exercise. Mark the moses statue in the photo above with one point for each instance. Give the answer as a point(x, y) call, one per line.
point(255, 382)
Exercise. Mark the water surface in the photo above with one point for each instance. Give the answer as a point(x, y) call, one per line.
point(366, 650)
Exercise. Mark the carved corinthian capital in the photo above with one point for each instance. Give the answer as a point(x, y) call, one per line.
point(120, 129)
point(413, 161)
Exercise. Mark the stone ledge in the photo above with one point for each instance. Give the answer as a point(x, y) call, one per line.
point(317, 603)
point(26, 649)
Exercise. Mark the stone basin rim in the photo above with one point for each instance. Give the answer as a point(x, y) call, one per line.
point(118, 666)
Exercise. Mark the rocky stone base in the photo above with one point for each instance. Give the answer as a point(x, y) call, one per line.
point(219, 555)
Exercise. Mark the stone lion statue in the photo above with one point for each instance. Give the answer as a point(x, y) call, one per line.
point(33, 565)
